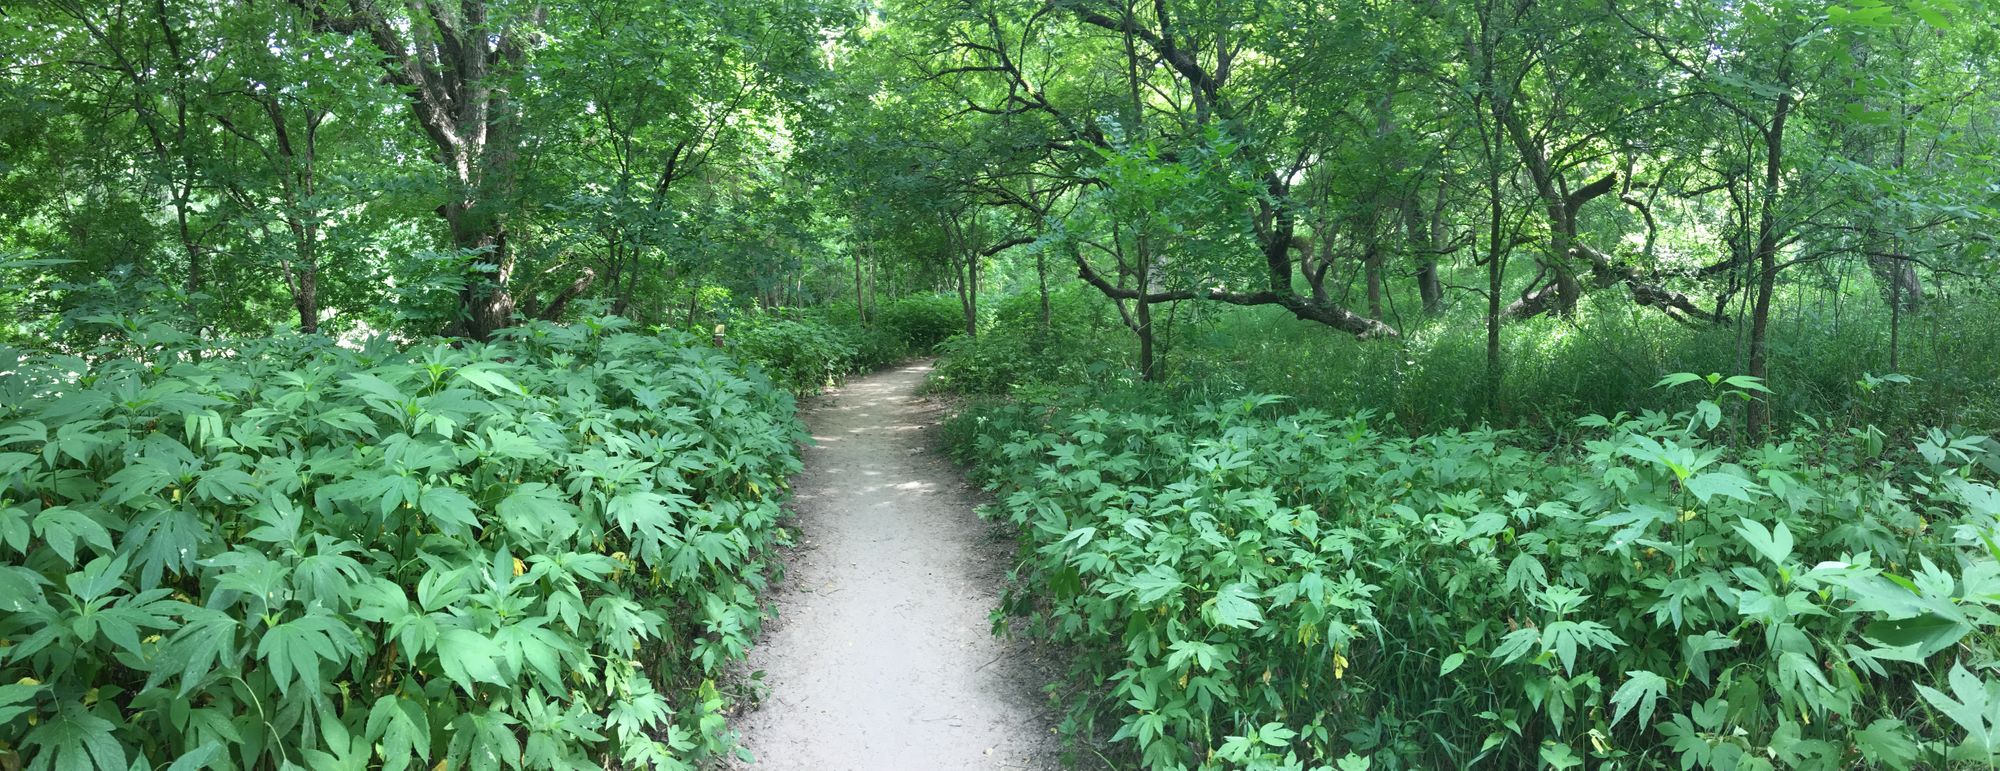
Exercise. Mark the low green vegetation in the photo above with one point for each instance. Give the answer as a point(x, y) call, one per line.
point(540, 552)
point(805, 351)
point(386, 384)
point(1243, 583)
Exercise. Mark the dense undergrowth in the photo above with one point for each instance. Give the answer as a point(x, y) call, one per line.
point(1433, 377)
point(1241, 583)
point(805, 351)
point(535, 553)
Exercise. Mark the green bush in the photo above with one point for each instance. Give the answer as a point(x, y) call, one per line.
point(538, 553)
point(1079, 345)
point(803, 354)
point(921, 322)
point(1238, 584)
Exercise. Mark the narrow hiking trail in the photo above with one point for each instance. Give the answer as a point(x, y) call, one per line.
point(882, 657)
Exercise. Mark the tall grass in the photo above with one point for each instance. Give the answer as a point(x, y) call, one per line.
point(1604, 360)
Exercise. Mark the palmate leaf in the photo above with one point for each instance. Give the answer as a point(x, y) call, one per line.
point(1774, 543)
point(470, 658)
point(1154, 584)
point(77, 740)
point(1930, 633)
point(206, 639)
point(1642, 689)
point(403, 729)
point(450, 511)
point(62, 527)
point(20, 589)
point(14, 529)
point(1973, 704)
point(17, 699)
point(1887, 743)
point(490, 381)
point(168, 540)
point(202, 757)
point(293, 650)
point(1235, 607)
point(1709, 484)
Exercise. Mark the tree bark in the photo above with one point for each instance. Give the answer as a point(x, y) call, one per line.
point(1757, 417)
point(451, 59)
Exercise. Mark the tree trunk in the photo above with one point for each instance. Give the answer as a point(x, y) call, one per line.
point(305, 279)
point(1757, 418)
point(1042, 285)
point(860, 301)
point(451, 62)
point(1148, 365)
point(1371, 268)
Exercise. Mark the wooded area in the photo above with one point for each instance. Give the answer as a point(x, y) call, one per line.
point(1510, 383)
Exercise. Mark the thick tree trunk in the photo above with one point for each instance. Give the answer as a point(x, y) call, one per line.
point(451, 60)
point(485, 305)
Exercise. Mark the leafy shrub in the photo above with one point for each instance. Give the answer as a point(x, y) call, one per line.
point(536, 553)
point(921, 322)
point(802, 354)
point(1019, 351)
point(1242, 585)
point(876, 347)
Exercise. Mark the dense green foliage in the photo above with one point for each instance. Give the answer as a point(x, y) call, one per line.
point(1604, 361)
point(808, 351)
point(1242, 582)
point(535, 553)
point(300, 468)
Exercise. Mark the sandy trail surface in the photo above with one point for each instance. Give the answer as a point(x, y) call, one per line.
point(882, 656)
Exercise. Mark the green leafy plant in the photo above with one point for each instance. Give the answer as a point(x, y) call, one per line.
point(535, 553)
point(1241, 579)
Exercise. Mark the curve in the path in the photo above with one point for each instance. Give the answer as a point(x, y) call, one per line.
point(881, 658)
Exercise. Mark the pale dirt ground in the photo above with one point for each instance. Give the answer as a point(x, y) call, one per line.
point(882, 656)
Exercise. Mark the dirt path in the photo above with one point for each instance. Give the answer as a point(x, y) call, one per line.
point(882, 658)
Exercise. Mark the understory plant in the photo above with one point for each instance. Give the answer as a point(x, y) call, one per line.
point(1239, 584)
point(539, 552)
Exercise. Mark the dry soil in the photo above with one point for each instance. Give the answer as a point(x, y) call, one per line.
point(882, 656)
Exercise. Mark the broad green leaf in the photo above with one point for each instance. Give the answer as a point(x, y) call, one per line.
point(1235, 607)
point(17, 699)
point(1930, 633)
point(295, 649)
point(469, 658)
point(1774, 543)
point(62, 527)
point(1709, 484)
point(490, 381)
point(1155, 583)
point(1746, 383)
point(201, 758)
point(1887, 743)
point(75, 739)
point(1641, 688)
point(450, 511)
